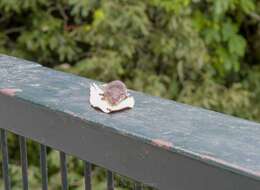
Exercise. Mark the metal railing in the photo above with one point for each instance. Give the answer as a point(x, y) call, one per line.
point(159, 143)
point(44, 167)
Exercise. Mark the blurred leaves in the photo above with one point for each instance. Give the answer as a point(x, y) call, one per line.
point(159, 47)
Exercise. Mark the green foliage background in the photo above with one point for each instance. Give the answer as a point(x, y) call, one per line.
point(201, 52)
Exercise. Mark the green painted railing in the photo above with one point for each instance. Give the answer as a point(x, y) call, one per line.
point(159, 143)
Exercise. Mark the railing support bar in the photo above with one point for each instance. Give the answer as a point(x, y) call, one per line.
point(44, 168)
point(63, 167)
point(24, 162)
point(5, 159)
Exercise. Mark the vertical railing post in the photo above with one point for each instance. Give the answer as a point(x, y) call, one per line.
point(87, 174)
point(44, 169)
point(138, 186)
point(63, 171)
point(110, 180)
point(24, 162)
point(4, 149)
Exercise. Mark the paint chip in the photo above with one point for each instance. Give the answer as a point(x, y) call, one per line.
point(10, 91)
point(162, 143)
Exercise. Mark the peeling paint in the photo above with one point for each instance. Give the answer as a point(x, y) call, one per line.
point(162, 143)
point(10, 91)
point(257, 173)
point(211, 158)
point(71, 113)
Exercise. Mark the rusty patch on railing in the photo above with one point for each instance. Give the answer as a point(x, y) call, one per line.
point(162, 143)
point(10, 91)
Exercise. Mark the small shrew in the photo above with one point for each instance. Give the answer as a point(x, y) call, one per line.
point(115, 92)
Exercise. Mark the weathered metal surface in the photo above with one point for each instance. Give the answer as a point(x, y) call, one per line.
point(206, 147)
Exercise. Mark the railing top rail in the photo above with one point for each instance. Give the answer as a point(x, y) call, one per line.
point(215, 139)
